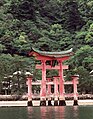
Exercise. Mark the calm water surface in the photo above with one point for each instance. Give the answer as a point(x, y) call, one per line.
point(76, 112)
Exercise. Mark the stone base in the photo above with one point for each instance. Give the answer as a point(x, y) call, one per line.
point(49, 103)
point(55, 102)
point(43, 103)
point(62, 103)
point(75, 102)
point(29, 103)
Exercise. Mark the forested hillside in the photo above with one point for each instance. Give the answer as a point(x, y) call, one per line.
point(51, 25)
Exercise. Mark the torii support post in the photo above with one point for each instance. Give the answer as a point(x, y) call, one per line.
point(43, 85)
point(75, 82)
point(56, 91)
point(50, 56)
point(29, 83)
point(61, 86)
point(49, 92)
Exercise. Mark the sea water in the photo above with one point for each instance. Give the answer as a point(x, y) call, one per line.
point(53, 112)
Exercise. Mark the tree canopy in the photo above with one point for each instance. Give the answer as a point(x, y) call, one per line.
point(51, 25)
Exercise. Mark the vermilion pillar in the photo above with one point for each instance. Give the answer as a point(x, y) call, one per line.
point(43, 85)
point(61, 86)
point(55, 91)
point(49, 91)
point(75, 82)
point(29, 83)
point(48, 87)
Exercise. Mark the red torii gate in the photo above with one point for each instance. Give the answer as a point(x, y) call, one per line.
point(60, 57)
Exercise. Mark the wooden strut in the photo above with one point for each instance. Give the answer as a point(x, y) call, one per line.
point(61, 86)
point(49, 92)
point(75, 81)
point(43, 85)
point(29, 83)
point(56, 92)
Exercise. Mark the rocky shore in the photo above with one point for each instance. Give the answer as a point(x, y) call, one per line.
point(37, 103)
point(24, 97)
point(12, 97)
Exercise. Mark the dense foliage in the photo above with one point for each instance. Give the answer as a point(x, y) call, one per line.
point(51, 25)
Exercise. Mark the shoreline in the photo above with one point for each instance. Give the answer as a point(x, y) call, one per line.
point(37, 103)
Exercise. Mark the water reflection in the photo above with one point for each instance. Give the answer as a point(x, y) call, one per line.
point(43, 111)
point(33, 112)
point(60, 112)
point(75, 112)
point(53, 112)
point(71, 112)
point(46, 112)
point(30, 111)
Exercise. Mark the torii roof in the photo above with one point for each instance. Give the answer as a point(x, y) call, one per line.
point(53, 54)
